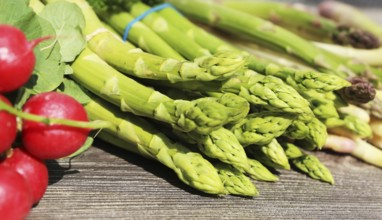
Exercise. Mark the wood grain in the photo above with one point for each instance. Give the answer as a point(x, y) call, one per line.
point(108, 183)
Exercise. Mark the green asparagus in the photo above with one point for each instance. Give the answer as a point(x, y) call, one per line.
point(272, 155)
point(312, 133)
point(266, 33)
point(259, 172)
point(235, 182)
point(267, 92)
point(221, 144)
point(174, 37)
point(140, 137)
point(134, 62)
point(346, 14)
point(306, 79)
point(307, 163)
point(261, 128)
point(139, 34)
point(257, 28)
point(202, 115)
point(306, 23)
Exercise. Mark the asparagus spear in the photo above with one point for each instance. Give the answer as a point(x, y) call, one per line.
point(307, 163)
point(346, 14)
point(143, 65)
point(272, 155)
point(266, 92)
point(355, 146)
point(221, 144)
point(266, 33)
point(202, 115)
point(138, 136)
point(306, 23)
point(312, 133)
point(304, 79)
point(139, 33)
point(375, 107)
point(352, 124)
point(174, 37)
point(368, 56)
point(199, 35)
point(259, 172)
point(340, 144)
point(256, 28)
point(235, 182)
point(323, 105)
point(261, 128)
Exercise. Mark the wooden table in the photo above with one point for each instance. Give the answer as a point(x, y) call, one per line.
point(108, 183)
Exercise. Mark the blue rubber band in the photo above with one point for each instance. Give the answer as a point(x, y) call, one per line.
point(143, 15)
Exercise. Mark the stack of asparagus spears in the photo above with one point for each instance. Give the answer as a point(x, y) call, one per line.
point(209, 107)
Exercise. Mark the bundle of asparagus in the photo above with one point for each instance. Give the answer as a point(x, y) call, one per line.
point(236, 115)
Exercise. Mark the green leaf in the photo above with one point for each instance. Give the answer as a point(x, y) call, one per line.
point(49, 70)
point(71, 88)
point(88, 143)
point(18, 14)
point(68, 21)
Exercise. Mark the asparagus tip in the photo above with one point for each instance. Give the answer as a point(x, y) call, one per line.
point(361, 91)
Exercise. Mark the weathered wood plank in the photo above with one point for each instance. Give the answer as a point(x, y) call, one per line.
point(108, 183)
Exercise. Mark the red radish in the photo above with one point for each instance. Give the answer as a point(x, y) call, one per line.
point(17, 59)
point(53, 141)
point(32, 169)
point(8, 127)
point(15, 195)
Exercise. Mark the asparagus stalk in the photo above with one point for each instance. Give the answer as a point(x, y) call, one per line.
point(140, 137)
point(340, 144)
point(259, 172)
point(144, 65)
point(356, 111)
point(266, 92)
point(199, 35)
point(357, 126)
point(312, 133)
point(303, 79)
point(202, 115)
point(306, 23)
point(368, 56)
point(272, 155)
point(261, 128)
point(266, 33)
point(374, 107)
point(139, 34)
point(367, 152)
point(222, 145)
point(174, 37)
point(256, 28)
point(356, 147)
point(235, 182)
point(323, 105)
point(346, 14)
point(307, 163)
